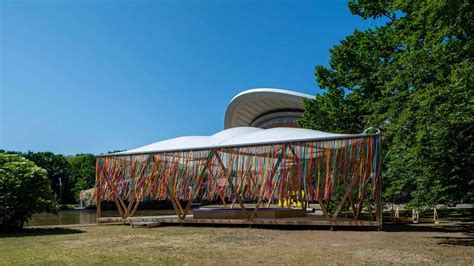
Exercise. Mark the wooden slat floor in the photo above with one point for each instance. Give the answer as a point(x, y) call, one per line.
point(309, 220)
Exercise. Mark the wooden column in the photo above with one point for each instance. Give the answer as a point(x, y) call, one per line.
point(198, 182)
point(378, 202)
point(346, 195)
point(272, 173)
point(237, 196)
point(98, 192)
point(379, 182)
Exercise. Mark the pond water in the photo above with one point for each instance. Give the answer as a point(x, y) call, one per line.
point(85, 216)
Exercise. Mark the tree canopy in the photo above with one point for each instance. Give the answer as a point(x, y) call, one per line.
point(411, 77)
point(68, 175)
point(24, 190)
point(82, 172)
point(58, 171)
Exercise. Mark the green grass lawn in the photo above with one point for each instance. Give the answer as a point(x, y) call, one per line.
point(217, 246)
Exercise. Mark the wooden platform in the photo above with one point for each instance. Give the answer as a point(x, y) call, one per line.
point(309, 220)
point(223, 213)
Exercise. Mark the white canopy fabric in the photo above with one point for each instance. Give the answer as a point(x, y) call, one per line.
point(237, 136)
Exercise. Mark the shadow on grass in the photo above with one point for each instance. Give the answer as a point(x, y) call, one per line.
point(454, 227)
point(467, 231)
point(468, 240)
point(40, 232)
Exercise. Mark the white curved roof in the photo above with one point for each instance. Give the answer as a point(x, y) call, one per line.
point(238, 136)
point(250, 105)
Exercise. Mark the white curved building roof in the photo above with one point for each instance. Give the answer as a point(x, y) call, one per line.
point(239, 136)
point(264, 106)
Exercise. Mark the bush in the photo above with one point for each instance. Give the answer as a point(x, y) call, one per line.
point(24, 190)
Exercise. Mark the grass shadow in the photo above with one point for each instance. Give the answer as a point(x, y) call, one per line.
point(467, 240)
point(454, 227)
point(41, 232)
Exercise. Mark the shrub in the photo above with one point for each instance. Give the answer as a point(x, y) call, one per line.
point(24, 190)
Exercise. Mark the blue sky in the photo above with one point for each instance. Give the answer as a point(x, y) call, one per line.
point(96, 76)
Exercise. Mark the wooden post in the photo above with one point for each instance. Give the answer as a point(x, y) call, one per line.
point(221, 196)
point(131, 204)
point(274, 169)
point(237, 196)
point(137, 203)
point(178, 203)
point(271, 199)
point(324, 208)
point(176, 209)
point(98, 193)
point(198, 181)
point(362, 197)
point(223, 199)
point(378, 202)
point(124, 206)
point(346, 195)
point(378, 197)
point(119, 208)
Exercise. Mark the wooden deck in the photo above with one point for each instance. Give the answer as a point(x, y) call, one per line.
point(309, 220)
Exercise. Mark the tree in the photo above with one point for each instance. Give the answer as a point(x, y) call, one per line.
point(413, 78)
point(24, 190)
point(58, 170)
point(82, 172)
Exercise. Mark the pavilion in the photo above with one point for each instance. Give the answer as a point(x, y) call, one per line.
point(262, 156)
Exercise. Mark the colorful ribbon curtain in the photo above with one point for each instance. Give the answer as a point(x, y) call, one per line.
point(87, 197)
point(315, 169)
